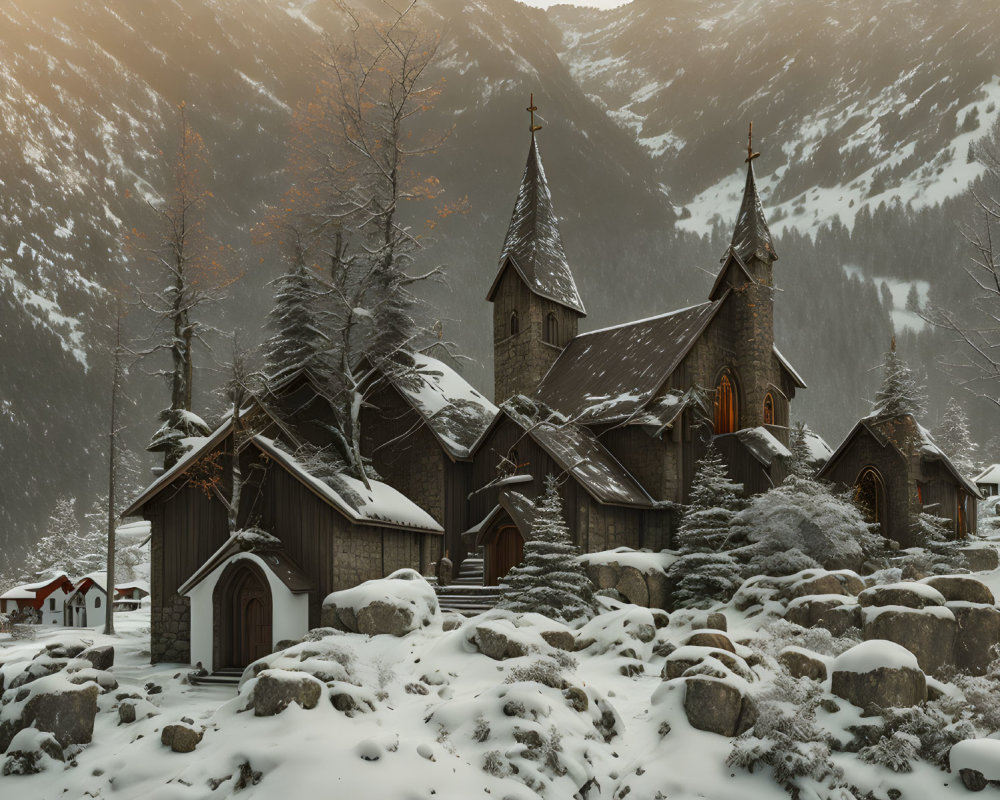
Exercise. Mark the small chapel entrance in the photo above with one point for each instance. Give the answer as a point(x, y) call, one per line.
point(505, 550)
point(869, 493)
point(242, 610)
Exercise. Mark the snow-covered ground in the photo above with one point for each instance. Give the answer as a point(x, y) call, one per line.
point(430, 716)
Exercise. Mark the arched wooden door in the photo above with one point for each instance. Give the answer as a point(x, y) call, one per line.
point(505, 551)
point(243, 616)
point(869, 494)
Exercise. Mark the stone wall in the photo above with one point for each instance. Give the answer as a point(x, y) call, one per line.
point(170, 614)
point(521, 360)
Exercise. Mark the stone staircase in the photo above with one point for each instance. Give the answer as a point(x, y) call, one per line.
point(228, 676)
point(466, 594)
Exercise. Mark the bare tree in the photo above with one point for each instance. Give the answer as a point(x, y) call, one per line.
point(117, 380)
point(190, 262)
point(354, 168)
point(977, 325)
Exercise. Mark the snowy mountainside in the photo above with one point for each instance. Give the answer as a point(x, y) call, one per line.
point(851, 104)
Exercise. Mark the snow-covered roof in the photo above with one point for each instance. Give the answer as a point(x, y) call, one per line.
point(989, 475)
point(819, 450)
point(456, 413)
point(791, 370)
point(763, 445)
point(272, 554)
point(128, 586)
point(578, 451)
point(612, 373)
point(198, 446)
point(28, 591)
point(379, 505)
point(909, 438)
point(98, 579)
point(533, 245)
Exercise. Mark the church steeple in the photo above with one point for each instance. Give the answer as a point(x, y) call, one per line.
point(536, 305)
point(752, 237)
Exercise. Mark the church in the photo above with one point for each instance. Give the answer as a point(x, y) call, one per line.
point(620, 415)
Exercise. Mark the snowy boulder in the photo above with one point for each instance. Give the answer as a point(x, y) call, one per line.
point(684, 661)
point(981, 558)
point(396, 605)
point(803, 664)
point(42, 666)
point(102, 658)
point(180, 737)
point(53, 705)
point(911, 595)
point(842, 582)
point(811, 610)
point(978, 630)
point(718, 705)
point(710, 638)
point(276, 689)
point(961, 587)
point(879, 674)
point(64, 648)
point(929, 633)
point(977, 761)
point(639, 577)
point(32, 751)
point(499, 641)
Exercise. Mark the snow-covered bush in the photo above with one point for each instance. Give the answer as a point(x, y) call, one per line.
point(706, 572)
point(804, 515)
point(551, 580)
point(922, 732)
point(785, 737)
point(937, 553)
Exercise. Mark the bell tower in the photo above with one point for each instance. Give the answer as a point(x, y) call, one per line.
point(536, 305)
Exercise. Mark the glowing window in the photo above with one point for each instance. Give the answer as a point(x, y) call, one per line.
point(769, 409)
point(727, 411)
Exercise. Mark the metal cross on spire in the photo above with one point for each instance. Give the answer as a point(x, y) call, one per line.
point(531, 109)
point(751, 155)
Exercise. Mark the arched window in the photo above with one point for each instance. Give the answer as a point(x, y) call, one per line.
point(727, 405)
point(515, 325)
point(768, 409)
point(551, 329)
point(869, 494)
point(97, 602)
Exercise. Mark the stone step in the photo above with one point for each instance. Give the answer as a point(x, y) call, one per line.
point(464, 588)
point(228, 676)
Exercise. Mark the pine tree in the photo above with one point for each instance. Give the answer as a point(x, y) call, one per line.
point(899, 394)
point(952, 435)
point(62, 546)
point(297, 339)
point(913, 300)
point(706, 571)
point(550, 581)
point(801, 456)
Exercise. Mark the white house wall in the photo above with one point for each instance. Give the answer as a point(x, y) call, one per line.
point(289, 612)
point(50, 616)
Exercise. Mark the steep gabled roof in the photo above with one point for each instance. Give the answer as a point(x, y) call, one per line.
point(533, 245)
point(611, 374)
point(751, 236)
point(989, 475)
point(454, 411)
point(276, 559)
point(908, 438)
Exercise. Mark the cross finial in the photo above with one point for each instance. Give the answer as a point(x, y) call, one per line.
point(751, 155)
point(531, 109)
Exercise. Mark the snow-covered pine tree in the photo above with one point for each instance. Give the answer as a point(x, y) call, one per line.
point(941, 554)
point(952, 435)
point(61, 548)
point(800, 450)
point(297, 339)
point(900, 393)
point(550, 581)
point(706, 571)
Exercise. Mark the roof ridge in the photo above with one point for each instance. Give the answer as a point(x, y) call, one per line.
point(653, 318)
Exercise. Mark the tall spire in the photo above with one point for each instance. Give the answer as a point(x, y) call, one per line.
point(751, 237)
point(533, 244)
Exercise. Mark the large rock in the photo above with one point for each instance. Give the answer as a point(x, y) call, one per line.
point(380, 617)
point(30, 752)
point(394, 606)
point(684, 658)
point(879, 674)
point(180, 737)
point(928, 633)
point(103, 658)
point(981, 558)
point(496, 644)
point(961, 587)
point(717, 706)
point(843, 583)
point(802, 664)
point(709, 638)
point(658, 587)
point(54, 706)
point(838, 621)
point(632, 585)
point(276, 689)
point(978, 630)
point(911, 595)
point(810, 610)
